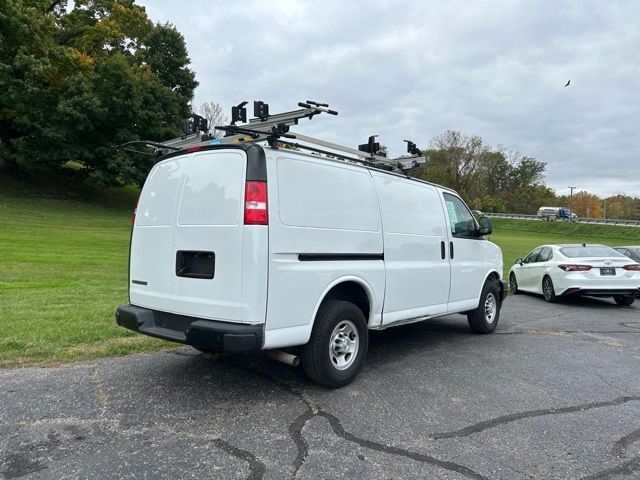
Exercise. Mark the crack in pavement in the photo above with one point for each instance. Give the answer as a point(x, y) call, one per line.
point(512, 417)
point(295, 432)
point(256, 467)
point(339, 430)
point(620, 447)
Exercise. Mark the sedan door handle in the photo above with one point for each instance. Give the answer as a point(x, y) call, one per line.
point(451, 249)
point(443, 252)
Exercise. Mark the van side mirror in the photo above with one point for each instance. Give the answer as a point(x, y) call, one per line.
point(519, 261)
point(486, 226)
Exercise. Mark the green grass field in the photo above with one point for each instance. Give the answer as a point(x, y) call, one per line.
point(63, 270)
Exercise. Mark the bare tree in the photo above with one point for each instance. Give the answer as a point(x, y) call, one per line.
point(215, 116)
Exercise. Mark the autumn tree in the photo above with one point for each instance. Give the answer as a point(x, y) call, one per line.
point(622, 206)
point(585, 204)
point(75, 83)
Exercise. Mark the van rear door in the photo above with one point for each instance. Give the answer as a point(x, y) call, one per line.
point(187, 244)
point(208, 236)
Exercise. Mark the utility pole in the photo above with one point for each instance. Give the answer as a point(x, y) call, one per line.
point(605, 208)
point(571, 203)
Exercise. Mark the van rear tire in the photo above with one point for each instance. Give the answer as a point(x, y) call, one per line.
point(485, 318)
point(338, 345)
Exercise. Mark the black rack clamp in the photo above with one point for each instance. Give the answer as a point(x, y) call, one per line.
point(194, 124)
point(371, 146)
point(261, 110)
point(239, 113)
point(413, 149)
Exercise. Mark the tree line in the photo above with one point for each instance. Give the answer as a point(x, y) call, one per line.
point(501, 181)
point(76, 80)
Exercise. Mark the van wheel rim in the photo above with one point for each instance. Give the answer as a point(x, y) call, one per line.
point(343, 345)
point(490, 308)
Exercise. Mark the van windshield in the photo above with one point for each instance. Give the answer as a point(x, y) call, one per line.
point(587, 251)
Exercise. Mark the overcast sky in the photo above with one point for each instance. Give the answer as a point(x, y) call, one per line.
point(411, 70)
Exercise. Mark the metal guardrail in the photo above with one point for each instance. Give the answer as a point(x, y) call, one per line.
point(601, 221)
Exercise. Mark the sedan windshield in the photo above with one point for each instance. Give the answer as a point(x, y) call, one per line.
point(587, 251)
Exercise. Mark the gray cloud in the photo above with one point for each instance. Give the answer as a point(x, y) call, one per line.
point(415, 69)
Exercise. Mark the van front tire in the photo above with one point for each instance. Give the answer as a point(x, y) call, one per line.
point(338, 345)
point(485, 318)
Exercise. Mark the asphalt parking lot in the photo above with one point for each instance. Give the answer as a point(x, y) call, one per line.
point(554, 393)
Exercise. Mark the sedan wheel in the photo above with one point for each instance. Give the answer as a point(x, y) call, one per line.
point(624, 300)
point(548, 290)
point(513, 284)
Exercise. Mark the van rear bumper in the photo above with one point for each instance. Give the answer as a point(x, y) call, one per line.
point(209, 334)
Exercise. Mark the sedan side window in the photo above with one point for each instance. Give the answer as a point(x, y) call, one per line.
point(533, 256)
point(463, 224)
point(546, 254)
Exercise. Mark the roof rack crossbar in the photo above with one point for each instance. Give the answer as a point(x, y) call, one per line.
point(271, 128)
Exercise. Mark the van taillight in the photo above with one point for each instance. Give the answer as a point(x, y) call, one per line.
point(255, 204)
point(133, 217)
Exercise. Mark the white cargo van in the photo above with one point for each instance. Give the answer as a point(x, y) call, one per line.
point(248, 248)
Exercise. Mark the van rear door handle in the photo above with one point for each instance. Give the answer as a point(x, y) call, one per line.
point(451, 249)
point(443, 253)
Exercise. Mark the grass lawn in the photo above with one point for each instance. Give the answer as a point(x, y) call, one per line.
point(63, 270)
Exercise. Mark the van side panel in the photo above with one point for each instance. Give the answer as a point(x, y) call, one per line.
point(324, 224)
point(418, 276)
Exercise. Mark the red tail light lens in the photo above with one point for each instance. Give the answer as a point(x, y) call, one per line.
point(255, 204)
point(634, 267)
point(575, 268)
point(135, 210)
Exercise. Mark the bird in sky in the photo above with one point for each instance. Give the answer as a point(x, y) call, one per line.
point(568, 82)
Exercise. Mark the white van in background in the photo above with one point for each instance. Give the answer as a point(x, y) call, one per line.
point(248, 248)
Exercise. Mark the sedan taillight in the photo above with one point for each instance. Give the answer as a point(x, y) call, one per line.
point(575, 268)
point(634, 267)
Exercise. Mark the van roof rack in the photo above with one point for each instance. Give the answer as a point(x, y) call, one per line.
point(275, 130)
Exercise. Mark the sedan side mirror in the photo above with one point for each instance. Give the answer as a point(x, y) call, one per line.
point(486, 226)
point(519, 261)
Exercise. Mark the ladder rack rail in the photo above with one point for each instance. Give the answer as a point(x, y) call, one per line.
point(273, 128)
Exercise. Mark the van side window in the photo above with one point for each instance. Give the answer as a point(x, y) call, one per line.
point(462, 222)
